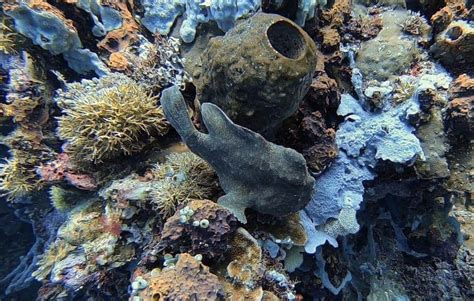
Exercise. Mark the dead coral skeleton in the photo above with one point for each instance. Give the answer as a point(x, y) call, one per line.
point(157, 65)
point(415, 25)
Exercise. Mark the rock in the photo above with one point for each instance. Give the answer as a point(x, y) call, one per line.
point(194, 236)
point(253, 172)
point(258, 72)
point(388, 54)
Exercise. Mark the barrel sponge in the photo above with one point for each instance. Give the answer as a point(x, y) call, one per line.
point(115, 120)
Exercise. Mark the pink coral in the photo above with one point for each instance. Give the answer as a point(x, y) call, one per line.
point(61, 169)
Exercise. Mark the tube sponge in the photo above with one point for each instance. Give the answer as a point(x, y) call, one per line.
point(112, 121)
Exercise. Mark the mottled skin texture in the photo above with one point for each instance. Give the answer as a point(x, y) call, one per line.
point(253, 172)
point(258, 83)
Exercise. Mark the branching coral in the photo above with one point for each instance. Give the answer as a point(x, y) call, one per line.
point(184, 176)
point(157, 65)
point(7, 39)
point(16, 178)
point(57, 251)
point(111, 122)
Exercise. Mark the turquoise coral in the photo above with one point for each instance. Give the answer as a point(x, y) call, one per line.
point(160, 14)
point(47, 27)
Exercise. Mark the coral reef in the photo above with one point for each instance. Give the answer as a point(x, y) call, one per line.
point(104, 123)
point(47, 27)
point(357, 186)
point(257, 86)
point(187, 279)
point(280, 186)
point(159, 16)
point(201, 227)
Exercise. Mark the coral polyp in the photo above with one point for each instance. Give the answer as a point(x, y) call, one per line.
point(184, 176)
point(111, 122)
point(17, 178)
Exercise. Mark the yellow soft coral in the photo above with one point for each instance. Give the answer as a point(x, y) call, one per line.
point(7, 39)
point(16, 178)
point(56, 252)
point(184, 176)
point(111, 122)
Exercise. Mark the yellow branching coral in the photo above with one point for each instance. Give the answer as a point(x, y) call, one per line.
point(404, 90)
point(16, 178)
point(111, 122)
point(56, 252)
point(184, 176)
point(7, 39)
point(18, 175)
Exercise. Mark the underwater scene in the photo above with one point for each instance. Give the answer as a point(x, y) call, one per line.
point(239, 150)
